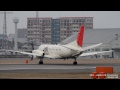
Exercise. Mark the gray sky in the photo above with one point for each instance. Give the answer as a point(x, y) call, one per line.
point(102, 19)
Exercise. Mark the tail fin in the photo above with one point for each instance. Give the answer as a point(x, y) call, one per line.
point(79, 40)
point(80, 36)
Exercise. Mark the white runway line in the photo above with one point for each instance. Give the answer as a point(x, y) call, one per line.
point(41, 68)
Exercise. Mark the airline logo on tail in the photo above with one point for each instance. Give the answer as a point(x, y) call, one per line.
point(80, 36)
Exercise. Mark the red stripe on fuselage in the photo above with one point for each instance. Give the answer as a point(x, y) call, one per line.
point(80, 36)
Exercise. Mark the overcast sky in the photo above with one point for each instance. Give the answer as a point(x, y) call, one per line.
point(101, 19)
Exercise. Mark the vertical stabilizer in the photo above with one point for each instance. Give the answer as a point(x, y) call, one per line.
point(79, 40)
point(80, 36)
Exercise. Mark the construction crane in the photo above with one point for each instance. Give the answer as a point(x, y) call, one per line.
point(5, 39)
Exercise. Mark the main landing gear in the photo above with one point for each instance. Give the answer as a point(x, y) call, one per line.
point(41, 61)
point(75, 62)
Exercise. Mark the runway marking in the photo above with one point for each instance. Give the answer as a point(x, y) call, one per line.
point(42, 68)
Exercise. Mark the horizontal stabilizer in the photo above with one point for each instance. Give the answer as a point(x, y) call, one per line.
point(92, 46)
point(71, 47)
point(94, 53)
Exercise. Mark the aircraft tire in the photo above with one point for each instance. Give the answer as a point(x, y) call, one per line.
point(40, 62)
point(75, 63)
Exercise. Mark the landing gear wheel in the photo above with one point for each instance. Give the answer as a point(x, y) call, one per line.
point(40, 62)
point(75, 63)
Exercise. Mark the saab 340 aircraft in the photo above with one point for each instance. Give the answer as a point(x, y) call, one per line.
point(70, 50)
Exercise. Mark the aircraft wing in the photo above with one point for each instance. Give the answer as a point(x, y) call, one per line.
point(93, 53)
point(92, 46)
point(23, 52)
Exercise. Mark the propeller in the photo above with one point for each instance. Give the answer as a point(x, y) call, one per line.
point(32, 46)
point(32, 49)
point(32, 58)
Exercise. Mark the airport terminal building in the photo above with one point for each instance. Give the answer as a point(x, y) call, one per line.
point(110, 37)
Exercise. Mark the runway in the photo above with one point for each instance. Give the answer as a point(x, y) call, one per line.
point(53, 68)
point(16, 68)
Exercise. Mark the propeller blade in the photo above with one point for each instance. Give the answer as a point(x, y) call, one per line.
point(32, 58)
point(32, 46)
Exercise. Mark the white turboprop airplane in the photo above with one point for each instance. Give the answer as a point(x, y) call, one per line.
point(70, 50)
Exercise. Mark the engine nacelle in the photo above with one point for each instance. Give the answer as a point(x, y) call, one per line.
point(38, 52)
point(34, 57)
